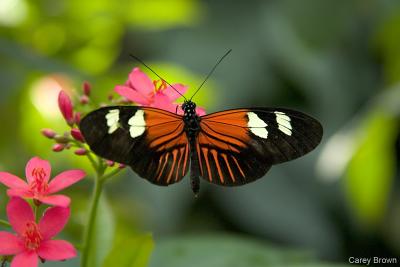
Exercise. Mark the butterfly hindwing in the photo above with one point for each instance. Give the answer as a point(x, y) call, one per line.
point(151, 141)
point(238, 146)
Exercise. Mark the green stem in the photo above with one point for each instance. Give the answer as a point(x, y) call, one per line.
point(89, 155)
point(5, 223)
point(89, 228)
point(91, 159)
point(111, 173)
point(37, 214)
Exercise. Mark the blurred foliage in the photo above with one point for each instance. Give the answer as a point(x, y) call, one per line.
point(375, 157)
point(218, 250)
point(337, 60)
point(131, 252)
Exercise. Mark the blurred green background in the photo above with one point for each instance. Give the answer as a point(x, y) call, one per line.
point(336, 60)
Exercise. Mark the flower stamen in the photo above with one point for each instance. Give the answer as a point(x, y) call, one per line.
point(39, 184)
point(159, 85)
point(32, 236)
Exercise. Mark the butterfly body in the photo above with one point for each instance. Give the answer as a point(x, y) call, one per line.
point(229, 148)
point(192, 128)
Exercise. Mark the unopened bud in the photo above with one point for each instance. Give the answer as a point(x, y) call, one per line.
point(65, 105)
point(80, 152)
point(77, 135)
point(84, 99)
point(110, 163)
point(87, 88)
point(77, 117)
point(49, 133)
point(58, 147)
point(121, 166)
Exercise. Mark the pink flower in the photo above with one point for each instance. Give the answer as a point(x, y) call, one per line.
point(140, 89)
point(38, 186)
point(33, 240)
point(65, 105)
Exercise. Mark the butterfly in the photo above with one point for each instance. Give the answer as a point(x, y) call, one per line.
point(228, 148)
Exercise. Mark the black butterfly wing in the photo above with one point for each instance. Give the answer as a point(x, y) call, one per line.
point(151, 141)
point(238, 146)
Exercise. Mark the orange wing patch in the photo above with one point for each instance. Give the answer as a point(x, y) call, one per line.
point(222, 137)
point(162, 129)
point(229, 128)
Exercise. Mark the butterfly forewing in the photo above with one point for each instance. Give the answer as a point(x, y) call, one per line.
point(151, 141)
point(239, 146)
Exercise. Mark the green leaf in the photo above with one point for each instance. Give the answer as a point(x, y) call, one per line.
point(372, 168)
point(133, 251)
point(225, 250)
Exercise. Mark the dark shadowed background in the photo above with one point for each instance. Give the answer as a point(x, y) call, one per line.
point(336, 60)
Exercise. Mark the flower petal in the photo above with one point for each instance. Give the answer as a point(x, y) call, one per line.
point(53, 221)
point(18, 192)
point(200, 111)
point(37, 163)
point(19, 213)
point(12, 181)
point(25, 259)
point(132, 95)
point(56, 250)
point(56, 200)
point(162, 101)
point(65, 179)
point(9, 244)
point(174, 95)
point(140, 82)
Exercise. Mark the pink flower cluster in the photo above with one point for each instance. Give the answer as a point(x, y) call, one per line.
point(72, 138)
point(33, 238)
point(72, 118)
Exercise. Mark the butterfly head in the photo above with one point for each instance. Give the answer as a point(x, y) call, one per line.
point(189, 107)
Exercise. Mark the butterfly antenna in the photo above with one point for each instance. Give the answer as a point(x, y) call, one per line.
point(211, 72)
point(144, 64)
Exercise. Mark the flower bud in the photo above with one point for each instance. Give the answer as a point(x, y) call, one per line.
point(77, 135)
point(87, 88)
point(58, 147)
point(110, 163)
point(84, 99)
point(80, 152)
point(77, 117)
point(121, 166)
point(65, 105)
point(49, 133)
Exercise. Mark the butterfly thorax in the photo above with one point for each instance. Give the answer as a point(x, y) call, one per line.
point(191, 119)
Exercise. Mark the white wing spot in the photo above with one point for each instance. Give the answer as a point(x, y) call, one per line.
point(283, 121)
point(256, 125)
point(137, 123)
point(112, 118)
